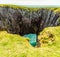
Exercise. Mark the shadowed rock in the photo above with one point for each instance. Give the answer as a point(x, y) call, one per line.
point(19, 21)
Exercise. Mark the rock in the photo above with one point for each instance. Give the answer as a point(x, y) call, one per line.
point(22, 21)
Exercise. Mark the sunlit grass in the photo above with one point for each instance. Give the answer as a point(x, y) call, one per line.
point(19, 7)
point(55, 9)
point(12, 45)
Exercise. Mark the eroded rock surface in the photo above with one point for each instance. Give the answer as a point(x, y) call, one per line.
point(20, 21)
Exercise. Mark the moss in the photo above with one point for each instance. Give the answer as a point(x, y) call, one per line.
point(48, 35)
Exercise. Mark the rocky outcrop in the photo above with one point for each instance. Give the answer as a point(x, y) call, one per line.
point(20, 21)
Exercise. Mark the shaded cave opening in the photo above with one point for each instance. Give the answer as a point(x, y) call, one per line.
point(24, 22)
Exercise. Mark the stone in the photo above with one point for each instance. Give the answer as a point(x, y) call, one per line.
point(24, 21)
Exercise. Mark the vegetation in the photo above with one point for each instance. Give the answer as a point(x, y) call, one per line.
point(55, 9)
point(12, 45)
point(18, 7)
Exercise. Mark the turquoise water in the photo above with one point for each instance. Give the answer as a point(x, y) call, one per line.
point(32, 38)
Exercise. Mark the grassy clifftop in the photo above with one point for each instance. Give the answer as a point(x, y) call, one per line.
point(18, 7)
point(55, 9)
point(12, 45)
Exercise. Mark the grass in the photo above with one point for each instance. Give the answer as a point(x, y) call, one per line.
point(12, 45)
point(19, 7)
point(55, 9)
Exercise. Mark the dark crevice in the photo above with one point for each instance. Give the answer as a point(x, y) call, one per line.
point(23, 22)
point(19, 21)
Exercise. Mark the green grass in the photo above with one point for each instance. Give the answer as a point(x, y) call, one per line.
point(19, 7)
point(54, 8)
point(12, 45)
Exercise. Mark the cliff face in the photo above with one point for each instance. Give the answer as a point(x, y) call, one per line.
point(20, 21)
